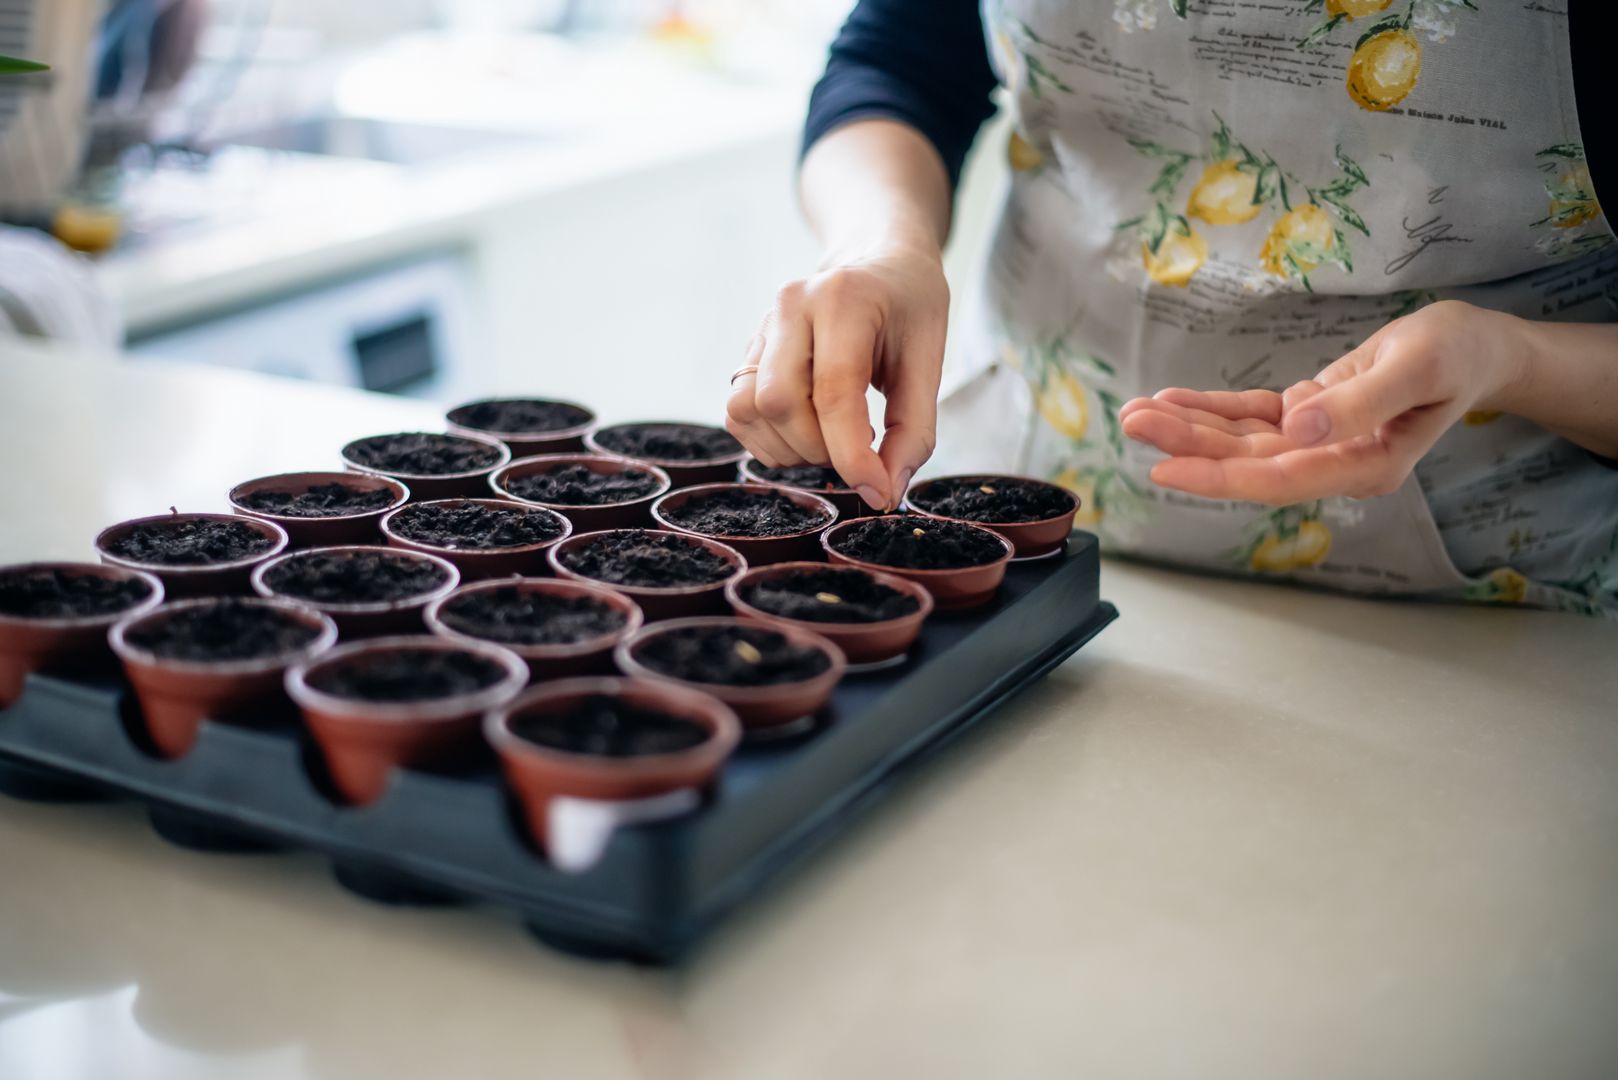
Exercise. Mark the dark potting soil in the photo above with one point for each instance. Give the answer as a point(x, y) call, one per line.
point(519, 617)
point(730, 656)
point(319, 501)
point(830, 596)
point(407, 674)
point(995, 499)
point(669, 442)
point(364, 577)
point(514, 415)
point(472, 526)
point(421, 454)
point(808, 477)
point(187, 541)
point(646, 560)
point(916, 543)
point(610, 727)
point(739, 512)
point(223, 630)
point(61, 594)
point(578, 485)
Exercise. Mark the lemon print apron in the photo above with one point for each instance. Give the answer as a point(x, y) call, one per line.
point(1230, 194)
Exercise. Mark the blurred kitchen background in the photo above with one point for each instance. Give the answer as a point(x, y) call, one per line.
point(438, 198)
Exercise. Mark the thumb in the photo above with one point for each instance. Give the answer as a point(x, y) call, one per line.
point(1356, 405)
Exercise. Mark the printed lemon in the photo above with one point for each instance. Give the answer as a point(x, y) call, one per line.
point(1224, 195)
point(1062, 404)
point(1022, 154)
point(1084, 487)
point(1479, 417)
point(1575, 201)
point(1509, 587)
point(1384, 69)
point(1304, 233)
point(1177, 260)
point(90, 229)
point(1309, 546)
point(1356, 9)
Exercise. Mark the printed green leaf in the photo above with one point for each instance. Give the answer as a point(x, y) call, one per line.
point(13, 65)
point(1321, 32)
point(1169, 178)
point(1346, 212)
point(1382, 26)
point(1110, 404)
point(1571, 151)
point(1268, 185)
point(1178, 7)
point(1351, 167)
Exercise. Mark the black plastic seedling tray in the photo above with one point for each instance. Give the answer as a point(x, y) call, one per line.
point(657, 887)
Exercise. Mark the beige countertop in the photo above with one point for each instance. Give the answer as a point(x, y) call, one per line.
point(1248, 832)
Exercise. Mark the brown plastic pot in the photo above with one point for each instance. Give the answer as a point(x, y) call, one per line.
point(757, 550)
point(758, 707)
point(207, 579)
point(674, 602)
point(636, 513)
point(861, 642)
point(403, 616)
point(307, 532)
point(525, 443)
point(177, 695)
point(73, 645)
point(589, 657)
point(476, 564)
point(717, 470)
point(540, 774)
point(845, 499)
point(1031, 539)
point(952, 589)
point(427, 486)
point(364, 741)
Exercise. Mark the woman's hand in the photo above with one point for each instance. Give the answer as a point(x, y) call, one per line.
point(876, 320)
point(1356, 429)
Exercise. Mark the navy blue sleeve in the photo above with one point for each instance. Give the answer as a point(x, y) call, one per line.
point(921, 62)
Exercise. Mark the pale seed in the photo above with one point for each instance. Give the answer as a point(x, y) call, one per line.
point(747, 652)
point(986, 489)
point(828, 598)
point(918, 532)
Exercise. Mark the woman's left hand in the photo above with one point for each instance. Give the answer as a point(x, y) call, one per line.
point(1356, 429)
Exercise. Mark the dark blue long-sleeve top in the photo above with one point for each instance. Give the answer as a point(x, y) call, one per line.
point(926, 63)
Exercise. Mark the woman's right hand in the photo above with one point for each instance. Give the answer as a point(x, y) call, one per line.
point(875, 320)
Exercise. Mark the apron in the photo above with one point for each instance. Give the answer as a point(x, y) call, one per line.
point(1230, 194)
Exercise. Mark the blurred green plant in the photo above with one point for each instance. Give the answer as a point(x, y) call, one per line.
point(11, 65)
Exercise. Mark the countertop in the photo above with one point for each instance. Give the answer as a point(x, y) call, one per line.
point(1250, 831)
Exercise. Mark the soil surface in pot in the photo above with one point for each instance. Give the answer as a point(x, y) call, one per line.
point(407, 675)
point(1002, 500)
point(730, 656)
point(830, 596)
point(62, 594)
point(610, 727)
point(808, 477)
point(353, 577)
point(514, 415)
point(578, 485)
point(738, 512)
point(470, 526)
point(647, 562)
point(521, 617)
point(319, 501)
point(422, 454)
point(223, 630)
point(669, 442)
point(190, 542)
point(917, 543)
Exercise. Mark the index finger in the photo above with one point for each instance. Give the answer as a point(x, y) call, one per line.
point(843, 359)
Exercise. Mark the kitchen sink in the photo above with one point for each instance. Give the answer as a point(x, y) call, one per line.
point(391, 141)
